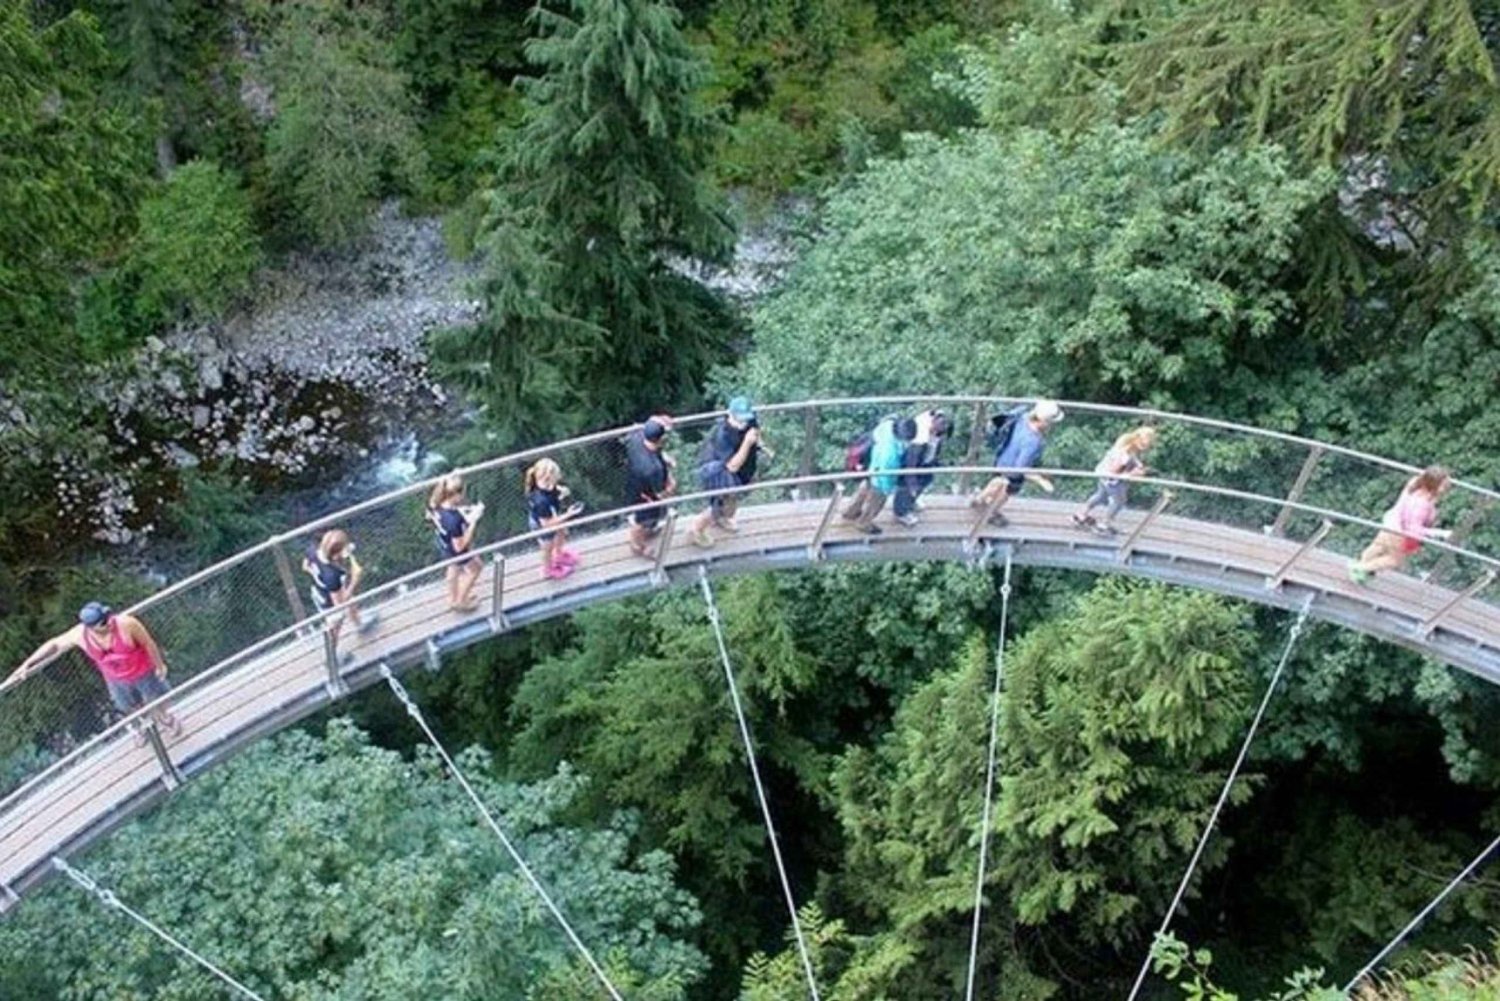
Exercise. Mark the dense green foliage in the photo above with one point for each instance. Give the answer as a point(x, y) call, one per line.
point(327, 868)
point(1278, 212)
point(344, 131)
point(196, 247)
point(586, 316)
point(70, 177)
point(1104, 268)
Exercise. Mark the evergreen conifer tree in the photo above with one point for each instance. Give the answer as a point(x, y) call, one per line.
point(599, 192)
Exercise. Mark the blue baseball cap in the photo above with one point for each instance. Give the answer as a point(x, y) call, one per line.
point(94, 613)
point(653, 430)
point(740, 409)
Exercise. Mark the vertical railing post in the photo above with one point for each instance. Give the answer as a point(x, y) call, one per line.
point(170, 776)
point(1304, 475)
point(1128, 546)
point(811, 421)
point(976, 442)
point(498, 622)
point(289, 581)
point(815, 548)
point(659, 568)
point(8, 897)
point(335, 681)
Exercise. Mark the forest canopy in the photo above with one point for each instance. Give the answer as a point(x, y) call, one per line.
point(1278, 213)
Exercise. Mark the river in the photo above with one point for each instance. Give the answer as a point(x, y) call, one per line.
point(321, 395)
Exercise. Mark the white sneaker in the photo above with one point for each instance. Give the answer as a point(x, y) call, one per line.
point(909, 520)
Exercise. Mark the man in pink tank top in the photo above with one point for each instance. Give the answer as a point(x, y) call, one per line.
point(125, 654)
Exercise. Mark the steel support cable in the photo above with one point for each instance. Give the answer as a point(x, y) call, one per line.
point(1412, 925)
point(989, 778)
point(415, 712)
point(1213, 818)
point(108, 899)
point(760, 789)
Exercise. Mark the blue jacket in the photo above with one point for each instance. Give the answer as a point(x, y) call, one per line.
point(886, 452)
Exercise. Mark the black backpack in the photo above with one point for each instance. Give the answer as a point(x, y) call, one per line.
point(1003, 426)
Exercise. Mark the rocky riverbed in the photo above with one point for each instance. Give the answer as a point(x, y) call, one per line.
point(323, 384)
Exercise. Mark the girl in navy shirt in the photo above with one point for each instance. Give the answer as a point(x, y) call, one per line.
point(335, 575)
point(454, 524)
point(547, 507)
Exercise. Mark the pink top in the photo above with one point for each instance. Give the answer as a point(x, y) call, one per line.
point(1413, 513)
point(122, 660)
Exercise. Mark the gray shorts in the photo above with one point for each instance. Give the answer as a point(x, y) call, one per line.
point(131, 695)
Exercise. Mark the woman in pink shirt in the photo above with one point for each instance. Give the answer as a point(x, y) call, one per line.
point(1407, 523)
point(125, 654)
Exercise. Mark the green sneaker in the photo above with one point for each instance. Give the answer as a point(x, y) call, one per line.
point(1359, 574)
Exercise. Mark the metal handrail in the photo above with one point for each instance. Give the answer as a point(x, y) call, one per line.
point(315, 621)
point(702, 417)
point(1285, 505)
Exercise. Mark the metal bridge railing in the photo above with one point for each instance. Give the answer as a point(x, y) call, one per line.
point(1222, 472)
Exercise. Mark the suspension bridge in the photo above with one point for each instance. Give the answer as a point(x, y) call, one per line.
point(1240, 511)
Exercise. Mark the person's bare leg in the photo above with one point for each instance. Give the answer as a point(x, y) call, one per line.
point(698, 532)
point(166, 720)
point(995, 487)
point(471, 577)
point(724, 517)
point(1385, 553)
point(452, 580)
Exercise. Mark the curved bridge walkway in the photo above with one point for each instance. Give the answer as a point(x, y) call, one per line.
point(1275, 549)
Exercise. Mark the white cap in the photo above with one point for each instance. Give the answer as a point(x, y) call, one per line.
point(1047, 411)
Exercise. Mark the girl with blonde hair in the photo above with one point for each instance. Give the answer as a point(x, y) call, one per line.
point(335, 577)
point(547, 507)
point(1121, 463)
point(1406, 524)
point(453, 523)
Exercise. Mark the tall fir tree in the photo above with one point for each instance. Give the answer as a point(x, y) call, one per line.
point(598, 198)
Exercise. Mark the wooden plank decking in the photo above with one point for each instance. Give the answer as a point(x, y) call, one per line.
point(88, 794)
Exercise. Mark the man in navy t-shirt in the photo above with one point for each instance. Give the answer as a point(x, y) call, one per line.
point(1023, 450)
point(648, 473)
point(728, 460)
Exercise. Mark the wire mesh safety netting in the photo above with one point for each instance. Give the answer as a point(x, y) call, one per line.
point(1224, 474)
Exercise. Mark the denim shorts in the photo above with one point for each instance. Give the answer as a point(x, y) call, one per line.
point(130, 695)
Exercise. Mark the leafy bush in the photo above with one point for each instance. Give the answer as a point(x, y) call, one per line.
point(217, 516)
point(197, 246)
point(345, 132)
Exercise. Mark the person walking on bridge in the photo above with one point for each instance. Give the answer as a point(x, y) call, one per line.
point(1122, 463)
point(888, 445)
point(335, 576)
point(548, 506)
point(650, 476)
point(728, 460)
point(453, 523)
point(1406, 524)
point(126, 655)
point(1020, 449)
point(925, 451)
